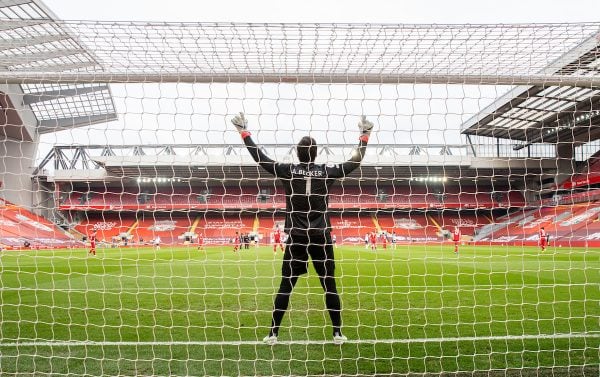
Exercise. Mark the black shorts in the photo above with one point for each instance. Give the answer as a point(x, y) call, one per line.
point(299, 248)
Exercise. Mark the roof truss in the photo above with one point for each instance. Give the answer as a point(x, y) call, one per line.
point(33, 41)
point(547, 114)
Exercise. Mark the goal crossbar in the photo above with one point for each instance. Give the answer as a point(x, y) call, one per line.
point(191, 77)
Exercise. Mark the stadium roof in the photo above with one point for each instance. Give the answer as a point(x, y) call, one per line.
point(31, 40)
point(548, 114)
point(401, 163)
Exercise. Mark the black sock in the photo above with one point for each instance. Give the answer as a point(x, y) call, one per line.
point(332, 301)
point(281, 302)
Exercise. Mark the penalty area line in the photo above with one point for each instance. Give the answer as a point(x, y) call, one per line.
point(296, 342)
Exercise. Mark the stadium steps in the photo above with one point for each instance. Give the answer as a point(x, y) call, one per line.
point(194, 225)
point(435, 223)
point(11, 233)
point(376, 223)
point(75, 234)
point(256, 225)
point(527, 219)
point(489, 229)
point(586, 226)
point(133, 226)
point(562, 216)
point(440, 231)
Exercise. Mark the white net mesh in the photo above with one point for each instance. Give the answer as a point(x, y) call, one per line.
point(120, 134)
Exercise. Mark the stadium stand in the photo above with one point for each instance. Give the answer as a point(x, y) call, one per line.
point(248, 197)
point(170, 229)
point(266, 225)
point(18, 226)
point(588, 234)
point(106, 225)
point(114, 213)
point(580, 228)
point(351, 227)
point(410, 227)
point(415, 213)
point(572, 225)
point(465, 221)
point(221, 228)
point(587, 176)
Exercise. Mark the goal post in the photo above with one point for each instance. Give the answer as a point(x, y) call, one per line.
point(592, 82)
point(138, 234)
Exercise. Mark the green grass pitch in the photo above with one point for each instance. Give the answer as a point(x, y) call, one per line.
point(419, 309)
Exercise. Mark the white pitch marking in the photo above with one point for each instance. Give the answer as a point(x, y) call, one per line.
point(296, 342)
point(250, 289)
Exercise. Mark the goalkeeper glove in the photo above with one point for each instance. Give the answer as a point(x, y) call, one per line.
point(240, 122)
point(365, 126)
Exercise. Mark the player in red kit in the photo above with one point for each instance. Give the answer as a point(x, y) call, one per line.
point(277, 240)
point(373, 241)
point(237, 242)
point(92, 238)
point(456, 238)
point(384, 240)
point(543, 239)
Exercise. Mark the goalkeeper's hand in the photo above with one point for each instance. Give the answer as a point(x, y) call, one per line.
point(365, 126)
point(240, 122)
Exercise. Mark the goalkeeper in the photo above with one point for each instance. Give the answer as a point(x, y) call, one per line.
point(306, 186)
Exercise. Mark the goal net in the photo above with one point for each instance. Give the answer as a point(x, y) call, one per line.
point(140, 237)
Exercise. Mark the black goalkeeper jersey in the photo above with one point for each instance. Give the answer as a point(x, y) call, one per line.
point(306, 188)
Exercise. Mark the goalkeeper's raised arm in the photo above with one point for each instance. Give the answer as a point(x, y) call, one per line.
point(338, 171)
point(241, 125)
point(306, 146)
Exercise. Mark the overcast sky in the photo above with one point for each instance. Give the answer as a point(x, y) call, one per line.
point(376, 11)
